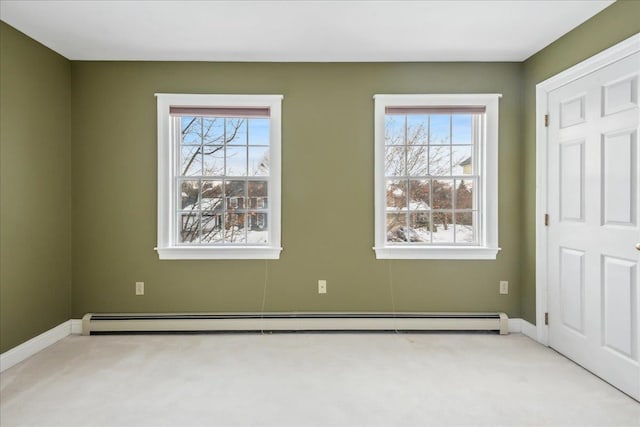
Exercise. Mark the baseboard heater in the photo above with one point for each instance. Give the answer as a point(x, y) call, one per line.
point(291, 322)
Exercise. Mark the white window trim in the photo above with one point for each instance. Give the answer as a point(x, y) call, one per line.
point(487, 161)
point(167, 247)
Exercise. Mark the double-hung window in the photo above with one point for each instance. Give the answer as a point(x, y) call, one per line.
point(219, 176)
point(436, 176)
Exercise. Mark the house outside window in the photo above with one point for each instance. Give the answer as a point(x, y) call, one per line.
point(217, 156)
point(436, 176)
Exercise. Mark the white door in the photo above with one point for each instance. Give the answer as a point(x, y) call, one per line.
point(594, 225)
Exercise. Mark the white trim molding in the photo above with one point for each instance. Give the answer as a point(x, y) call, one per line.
point(76, 326)
point(543, 89)
point(521, 326)
point(168, 246)
point(439, 252)
point(485, 166)
point(34, 345)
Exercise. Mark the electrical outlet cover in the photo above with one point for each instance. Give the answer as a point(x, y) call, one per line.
point(322, 286)
point(504, 287)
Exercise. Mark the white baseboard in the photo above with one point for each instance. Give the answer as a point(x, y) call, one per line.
point(34, 345)
point(515, 326)
point(76, 326)
point(523, 327)
point(530, 330)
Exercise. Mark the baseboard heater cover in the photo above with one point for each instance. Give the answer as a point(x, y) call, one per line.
point(289, 322)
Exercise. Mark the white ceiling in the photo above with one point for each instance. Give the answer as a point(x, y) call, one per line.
point(297, 30)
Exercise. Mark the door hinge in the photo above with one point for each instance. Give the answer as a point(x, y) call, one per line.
point(546, 318)
point(546, 120)
point(546, 220)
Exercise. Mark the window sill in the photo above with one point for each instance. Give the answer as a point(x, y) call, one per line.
point(245, 252)
point(441, 252)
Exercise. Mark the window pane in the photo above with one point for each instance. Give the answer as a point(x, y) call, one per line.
point(236, 131)
point(258, 131)
point(212, 227)
point(235, 230)
point(442, 194)
point(213, 130)
point(394, 130)
point(235, 194)
point(396, 195)
point(212, 196)
point(439, 160)
point(257, 228)
point(465, 230)
point(189, 195)
point(464, 194)
point(440, 129)
point(395, 161)
point(397, 227)
point(189, 227)
point(420, 226)
point(236, 161)
point(258, 195)
point(213, 156)
point(417, 160)
point(190, 130)
point(442, 227)
point(461, 129)
point(258, 161)
point(462, 160)
point(419, 194)
point(417, 129)
point(190, 161)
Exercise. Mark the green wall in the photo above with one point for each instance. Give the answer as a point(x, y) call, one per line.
point(35, 188)
point(327, 210)
point(614, 24)
point(327, 190)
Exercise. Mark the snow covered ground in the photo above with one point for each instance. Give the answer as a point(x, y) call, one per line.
point(463, 234)
point(253, 237)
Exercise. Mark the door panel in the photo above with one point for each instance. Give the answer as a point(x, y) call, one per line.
point(572, 181)
point(593, 198)
point(572, 289)
point(619, 178)
point(572, 111)
point(620, 313)
point(620, 95)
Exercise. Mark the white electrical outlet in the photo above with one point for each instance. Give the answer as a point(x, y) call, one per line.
point(139, 288)
point(322, 286)
point(504, 287)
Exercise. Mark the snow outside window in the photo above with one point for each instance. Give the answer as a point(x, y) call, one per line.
point(218, 176)
point(436, 176)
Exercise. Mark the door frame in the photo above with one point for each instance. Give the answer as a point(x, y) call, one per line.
point(600, 60)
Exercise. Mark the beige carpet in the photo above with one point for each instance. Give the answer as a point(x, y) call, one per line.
point(307, 380)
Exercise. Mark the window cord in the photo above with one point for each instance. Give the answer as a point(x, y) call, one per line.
point(264, 295)
point(391, 292)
